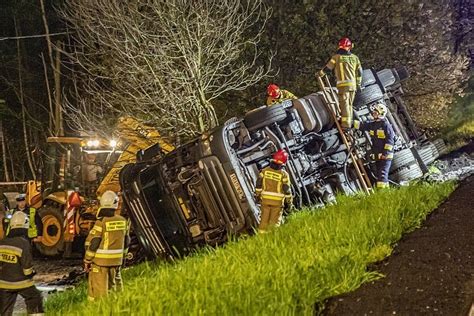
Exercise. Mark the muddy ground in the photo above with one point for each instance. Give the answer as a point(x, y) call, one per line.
point(431, 271)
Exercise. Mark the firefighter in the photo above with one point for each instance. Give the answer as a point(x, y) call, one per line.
point(383, 139)
point(35, 231)
point(277, 95)
point(274, 192)
point(105, 246)
point(348, 71)
point(16, 268)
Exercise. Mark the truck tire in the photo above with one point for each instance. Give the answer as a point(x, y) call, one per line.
point(386, 77)
point(407, 173)
point(428, 153)
point(303, 108)
point(264, 116)
point(440, 146)
point(401, 73)
point(53, 241)
point(368, 95)
point(402, 158)
point(368, 78)
point(321, 112)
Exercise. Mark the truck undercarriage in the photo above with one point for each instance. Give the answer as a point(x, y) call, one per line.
point(203, 191)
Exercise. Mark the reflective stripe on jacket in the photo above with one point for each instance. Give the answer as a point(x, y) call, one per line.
point(347, 69)
point(284, 95)
point(105, 243)
point(16, 263)
point(273, 186)
point(382, 136)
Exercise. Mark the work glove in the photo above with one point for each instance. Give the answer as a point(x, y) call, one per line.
point(87, 266)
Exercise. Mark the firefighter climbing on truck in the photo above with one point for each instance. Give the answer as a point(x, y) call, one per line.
point(348, 72)
point(276, 95)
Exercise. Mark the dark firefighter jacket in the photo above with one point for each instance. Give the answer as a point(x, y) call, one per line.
point(107, 240)
point(284, 95)
point(347, 69)
point(382, 135)
point(273, 186)
point(16, 262)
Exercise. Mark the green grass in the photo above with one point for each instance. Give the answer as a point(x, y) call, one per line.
point(317, 254)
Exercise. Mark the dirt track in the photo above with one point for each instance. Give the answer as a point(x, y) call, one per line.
point(431, 271)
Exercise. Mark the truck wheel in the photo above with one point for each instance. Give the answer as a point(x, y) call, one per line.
point(428, 153)
point(386, 77)
point(53, 241)
point(440, 146)
point(368, 95)
point(407, 173)
point(264, 116)
point(402, 158)
point(401, 73)
point(368, 78)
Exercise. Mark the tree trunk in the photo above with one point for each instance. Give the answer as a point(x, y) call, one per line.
point(55, 66)
point(57, 92)
point(4, 153)
point(22, 102)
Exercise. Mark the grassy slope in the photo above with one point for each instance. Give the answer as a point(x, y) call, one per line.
point(315, 255)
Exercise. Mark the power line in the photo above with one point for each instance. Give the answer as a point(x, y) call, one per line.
point(31, 36)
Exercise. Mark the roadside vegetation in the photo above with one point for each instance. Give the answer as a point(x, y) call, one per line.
point(317, 254)
point(461, 120)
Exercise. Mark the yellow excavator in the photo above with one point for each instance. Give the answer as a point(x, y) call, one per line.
point(68, 201)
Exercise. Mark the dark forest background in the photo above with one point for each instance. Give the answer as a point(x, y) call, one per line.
point(431, 38)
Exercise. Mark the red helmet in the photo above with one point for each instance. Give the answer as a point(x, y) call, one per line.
point(273, 90)
point(345, 43)
point(280, 157)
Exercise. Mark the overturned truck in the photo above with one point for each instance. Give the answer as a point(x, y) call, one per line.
point(203, 191)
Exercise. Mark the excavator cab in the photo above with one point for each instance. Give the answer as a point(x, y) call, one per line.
point(72, 166)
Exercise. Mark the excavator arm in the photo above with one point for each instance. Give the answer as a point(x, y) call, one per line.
point(136, 136)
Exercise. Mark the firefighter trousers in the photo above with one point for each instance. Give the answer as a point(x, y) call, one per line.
point(270, 216)
point(383, 168)
point(346, 98)
point(102, 280)
point(31, 295)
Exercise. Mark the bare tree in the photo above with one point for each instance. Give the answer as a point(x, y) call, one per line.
point(163, 62)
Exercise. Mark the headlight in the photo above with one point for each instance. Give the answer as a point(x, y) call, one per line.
point(93, 143)
point(113, 143)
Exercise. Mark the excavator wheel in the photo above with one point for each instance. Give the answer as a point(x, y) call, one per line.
point(53, 233)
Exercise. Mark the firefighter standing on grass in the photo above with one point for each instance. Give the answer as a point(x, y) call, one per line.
point(348, 72)
point(276, 95)
point(105, 246)
point(16, 269)
point(273, 190)
point(383, 138)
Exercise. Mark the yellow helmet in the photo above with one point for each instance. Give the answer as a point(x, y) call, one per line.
point(379, 108)
point(19, 220)
point(109, 200)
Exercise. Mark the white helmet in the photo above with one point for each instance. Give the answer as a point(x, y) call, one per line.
point(379, 108)
point(109, 200)
point(19, 220)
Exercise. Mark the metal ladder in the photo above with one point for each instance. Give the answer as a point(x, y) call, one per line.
point(333, 103)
